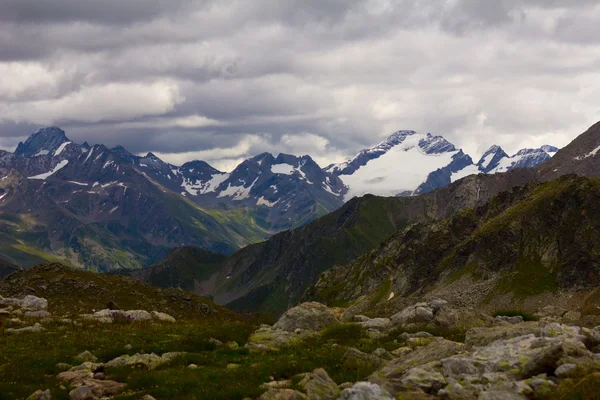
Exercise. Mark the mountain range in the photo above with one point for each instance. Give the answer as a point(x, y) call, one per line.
point(409, 163)
point(103, 208)
point(273, 275)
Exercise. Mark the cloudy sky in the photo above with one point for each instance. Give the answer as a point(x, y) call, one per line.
point(224, 80)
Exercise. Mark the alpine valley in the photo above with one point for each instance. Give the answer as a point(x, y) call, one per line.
point(103, 209)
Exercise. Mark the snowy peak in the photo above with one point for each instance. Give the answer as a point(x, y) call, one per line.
point(524, 158)
point(551, 150)
point(491, 158)
point(401, 164)
point(45, 141)
point(435, 145)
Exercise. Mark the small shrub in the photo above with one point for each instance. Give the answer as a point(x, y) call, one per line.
point(344, 334)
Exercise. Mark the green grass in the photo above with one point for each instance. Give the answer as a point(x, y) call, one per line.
point(28, 361)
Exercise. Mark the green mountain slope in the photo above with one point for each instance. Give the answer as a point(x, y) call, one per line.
point(85, 231)
point(523, 247)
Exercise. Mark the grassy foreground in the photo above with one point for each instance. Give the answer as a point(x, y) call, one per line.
point(28, 361)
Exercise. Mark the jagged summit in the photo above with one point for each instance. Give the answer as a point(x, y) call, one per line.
point(435, 145)
point(42, 142)
point(491, 158)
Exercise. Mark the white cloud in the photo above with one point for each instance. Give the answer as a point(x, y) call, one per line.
point(113, 101)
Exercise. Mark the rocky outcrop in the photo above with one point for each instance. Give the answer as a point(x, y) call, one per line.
point(110, 316)
point(268, 338)
point(149, 361)
point(508, 363)
point(309, 316)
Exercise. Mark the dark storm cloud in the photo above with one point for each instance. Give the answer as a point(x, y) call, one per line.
point(110, 12)
point(225, 79)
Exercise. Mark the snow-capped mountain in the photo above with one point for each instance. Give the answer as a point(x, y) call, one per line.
point(410, 163)
point(496, 160)
point(105, 208)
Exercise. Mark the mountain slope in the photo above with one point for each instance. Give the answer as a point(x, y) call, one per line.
point(532, 243)
point(581, 156)
point(272, 275)
point(183, 267)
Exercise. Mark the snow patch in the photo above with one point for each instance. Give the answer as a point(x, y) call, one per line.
point(41, 153)
point(466, 171)
point(237, 192)
point(61, 148)
point(264, 202)
point(89, 155)
point(285, 169)
point(590, 154)
point(78, 183)
point(196, 188)
point(58, 167)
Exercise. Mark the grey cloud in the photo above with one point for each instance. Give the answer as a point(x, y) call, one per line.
point(262, 72)
point(110, 12)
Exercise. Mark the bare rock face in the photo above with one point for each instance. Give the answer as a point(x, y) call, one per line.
point(309, 316)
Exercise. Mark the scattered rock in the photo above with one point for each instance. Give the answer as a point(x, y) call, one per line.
point(33, 303)
point(283, 394)
point(82, 393)
point(216, 342)
point(35, 328)
point(571, 316)
point(149, 361)
point(39, 395)
point(565, 370)
point(277, 385)
point(365, 391)
point(37, 314)
point(310, 316)
point(377, 324)
point(99, 376)
point(356, 359)
point(163, 317)
point(63, 366)
point(503, 320)
point(267, 338)
point(383, 354)
point(232, 345)
point(86, 356)
point(148, 397)
point(319, 386)
point(550, 312)
point(192, 366)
